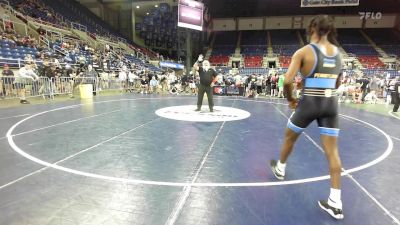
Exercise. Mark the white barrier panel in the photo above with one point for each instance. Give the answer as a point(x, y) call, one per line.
point(11, 87)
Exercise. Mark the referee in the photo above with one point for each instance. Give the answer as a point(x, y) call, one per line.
point(395, 92)
point(207, 76)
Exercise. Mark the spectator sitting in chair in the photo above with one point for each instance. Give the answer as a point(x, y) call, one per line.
point(371, 98)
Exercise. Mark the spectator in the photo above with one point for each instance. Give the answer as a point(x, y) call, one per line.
point(41, 31)
point(153, 85)
point(7, 81)
point(239, 83)
point(24, 76)
point(371, 98)
point(10, 32)
point(90, 77)
point(364, 82)
point(268, 85)
point(132, 78)
point(164, 82)
point(259, 83)
point(144, 85)
point(123, 77)
point(395, 93)
point(274, 80)
point(280, 85)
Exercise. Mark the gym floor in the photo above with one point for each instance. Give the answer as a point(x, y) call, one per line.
point(113, 160)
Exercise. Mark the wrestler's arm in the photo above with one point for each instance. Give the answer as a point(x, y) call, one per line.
point(294, 68)
point(339, 81)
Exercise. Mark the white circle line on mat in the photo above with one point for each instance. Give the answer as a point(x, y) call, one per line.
point(183, 184)
point(392, 114)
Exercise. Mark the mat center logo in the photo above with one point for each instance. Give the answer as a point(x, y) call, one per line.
point(188, 113)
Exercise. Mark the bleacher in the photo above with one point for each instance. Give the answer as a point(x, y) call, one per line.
point(219, 60)
point(253, 47)
point(224, 46)
point(355, 43)
point(285, 61)
point(284, 37)
point(284, 43)
point(226, 38)
point(223, 50)
point(13, 53)
point(253, 61)
point(249, 71)
point(225, 43)
point(360, 50)
point(253, 43)
point(381, 72)
point(383, 36)
point(351, 37)
point(285, 50)
point(37, 10)
point(371, 62)
point(74, 12)
point(387, 39)
point(140, 62)
point(61, 14)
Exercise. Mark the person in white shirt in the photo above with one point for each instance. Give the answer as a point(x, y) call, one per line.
point(259, 82)
point(371, 98)
point(122, 77)
point(238, 80)
point(164, 82)
point(171, 80)
point(132, 77)
point(24, 76)
point(154, 85)
point(239, 84)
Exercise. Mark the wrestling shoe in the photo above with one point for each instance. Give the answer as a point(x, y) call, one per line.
point(278, 174)
point(334, 212)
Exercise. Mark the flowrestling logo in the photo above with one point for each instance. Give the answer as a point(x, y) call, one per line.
point(188, 113)
point(370, 15)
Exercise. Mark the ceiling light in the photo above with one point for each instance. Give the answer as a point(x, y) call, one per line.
point(147, 13)
point(156, 6)
point(137, 6)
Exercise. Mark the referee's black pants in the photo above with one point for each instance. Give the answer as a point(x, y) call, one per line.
point(396, 101)
point(209, 91)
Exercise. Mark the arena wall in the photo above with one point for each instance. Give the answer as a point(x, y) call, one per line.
point(301, 22)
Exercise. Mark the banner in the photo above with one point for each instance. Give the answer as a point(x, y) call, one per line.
point(172, 65)
point(329, 3)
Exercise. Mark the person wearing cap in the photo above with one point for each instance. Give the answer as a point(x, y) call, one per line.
point(6, 81)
